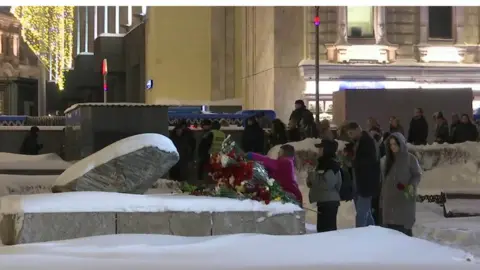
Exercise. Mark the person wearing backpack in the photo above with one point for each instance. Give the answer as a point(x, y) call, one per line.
point(325, 184)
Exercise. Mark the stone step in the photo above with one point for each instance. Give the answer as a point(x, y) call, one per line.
point(51, 217)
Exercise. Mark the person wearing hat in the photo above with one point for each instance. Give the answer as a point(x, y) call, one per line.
point(325, 184)
point(30, 145)
point(304, 118)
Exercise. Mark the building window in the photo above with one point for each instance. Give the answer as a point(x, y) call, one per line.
point(360, 22)
point(440, 22)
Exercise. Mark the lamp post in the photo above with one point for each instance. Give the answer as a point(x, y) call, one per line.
point(316, 21)
point(105, 74)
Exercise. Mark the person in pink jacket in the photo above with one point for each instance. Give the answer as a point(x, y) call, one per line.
point(281, 169)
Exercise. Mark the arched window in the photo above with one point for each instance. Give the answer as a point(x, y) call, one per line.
point(440, 23)
point(360, 22)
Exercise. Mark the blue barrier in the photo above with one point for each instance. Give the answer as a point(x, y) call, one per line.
point(179, 113)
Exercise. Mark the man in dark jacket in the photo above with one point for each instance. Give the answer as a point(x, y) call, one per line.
point(204, 148)
point(30, 145)
point(366, 173)
point(304, 118)
point(418, 130)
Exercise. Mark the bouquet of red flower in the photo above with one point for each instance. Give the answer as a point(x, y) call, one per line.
point(237, 177)
point(408, 190)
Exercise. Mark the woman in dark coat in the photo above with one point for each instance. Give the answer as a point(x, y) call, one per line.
point(278, 134)
point(401, 174)
point(253, 137)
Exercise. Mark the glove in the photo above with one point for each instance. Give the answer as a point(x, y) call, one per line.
point(249, 156)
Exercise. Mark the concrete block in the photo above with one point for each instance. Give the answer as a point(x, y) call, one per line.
point(144, 223)
point(282, 224)
point(233, 222)
point(191, 224)
point(42, 227)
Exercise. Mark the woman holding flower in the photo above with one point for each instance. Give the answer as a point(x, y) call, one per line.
point(401, 175)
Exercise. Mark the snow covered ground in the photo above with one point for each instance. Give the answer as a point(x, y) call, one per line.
point(51, 161)
point(371, 248)
point(118, 202)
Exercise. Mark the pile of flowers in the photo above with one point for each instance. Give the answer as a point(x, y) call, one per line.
point(237, 177)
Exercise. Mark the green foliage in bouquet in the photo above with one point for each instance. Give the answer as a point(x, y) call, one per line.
point(236, 177)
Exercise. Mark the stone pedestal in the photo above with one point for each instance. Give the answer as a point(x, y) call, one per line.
point(92, 126)
point(21, 228)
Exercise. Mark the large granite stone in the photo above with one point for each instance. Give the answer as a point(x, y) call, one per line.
point(134, 172)
point(41, 227)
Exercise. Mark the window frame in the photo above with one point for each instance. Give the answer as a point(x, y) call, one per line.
point(452, 24)
point(372, 37)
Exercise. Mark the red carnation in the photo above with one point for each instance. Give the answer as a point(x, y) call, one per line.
point(401, 186)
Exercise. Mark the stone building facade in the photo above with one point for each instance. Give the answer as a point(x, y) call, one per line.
point(360, 47)
point(18, 69)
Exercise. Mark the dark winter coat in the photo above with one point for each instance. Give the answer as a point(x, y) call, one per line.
point(366, 166)
point(30, 145)
point(277, 138)
point(185, 150)
point(396, 208)
point(418, 131)
point(183, 145)
point(442, 133)
point(398, 129)
point(204, 146)
point(294, 135)
point(305, 121)
point(253, 138)
point(465, 132)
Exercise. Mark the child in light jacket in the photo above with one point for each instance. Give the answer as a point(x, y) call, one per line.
point(325, 183)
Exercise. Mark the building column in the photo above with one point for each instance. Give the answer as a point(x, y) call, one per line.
point(86, 29)
point(342, 26)
point(105, 19)
point(458, 24)
point(423, 34)
point(15, 44)
point(95, 22)
point(380, 28)
point(77, 19)
point(129, 16)
point(117, 19)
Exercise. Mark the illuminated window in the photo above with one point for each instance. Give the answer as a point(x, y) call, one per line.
point(440, 20)
point(360, 22)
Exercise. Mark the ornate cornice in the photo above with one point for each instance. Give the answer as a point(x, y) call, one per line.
point(413, 72)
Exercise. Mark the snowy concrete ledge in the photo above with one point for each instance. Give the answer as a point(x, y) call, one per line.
point(431, 225)
point(50, 217)
point(46, 164)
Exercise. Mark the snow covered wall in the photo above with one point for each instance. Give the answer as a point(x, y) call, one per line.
point(447, 167)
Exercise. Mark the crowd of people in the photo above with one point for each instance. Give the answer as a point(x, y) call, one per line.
point(375, 169)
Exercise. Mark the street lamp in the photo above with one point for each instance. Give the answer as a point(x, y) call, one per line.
point(316, 21)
